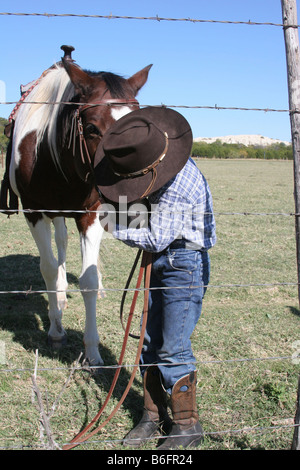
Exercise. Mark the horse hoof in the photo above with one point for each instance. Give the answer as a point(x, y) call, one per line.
point(92, 367)
point(57, 343)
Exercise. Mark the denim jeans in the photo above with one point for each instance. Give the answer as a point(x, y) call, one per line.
point(174, 313)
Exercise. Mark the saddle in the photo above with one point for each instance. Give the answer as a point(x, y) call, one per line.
point(9, 202)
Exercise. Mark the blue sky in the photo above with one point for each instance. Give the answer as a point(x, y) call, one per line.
point(194, 64)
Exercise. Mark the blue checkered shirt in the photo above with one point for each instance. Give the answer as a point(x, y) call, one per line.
point(182, 209)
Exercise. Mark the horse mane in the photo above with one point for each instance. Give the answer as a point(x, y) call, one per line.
point(53, 121)
point(36, 114)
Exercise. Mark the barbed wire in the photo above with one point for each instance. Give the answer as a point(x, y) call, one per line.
point(259, 429)
point(142, 289)
point(106, 212)
point(205, 433)
point(183, 106)
point(128, 366)
point(173, 211)
point(148, 18)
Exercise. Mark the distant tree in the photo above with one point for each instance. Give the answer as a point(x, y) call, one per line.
point(222, 150)
point(3, 138)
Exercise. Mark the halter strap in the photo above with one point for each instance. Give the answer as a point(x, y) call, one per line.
point(77, 128)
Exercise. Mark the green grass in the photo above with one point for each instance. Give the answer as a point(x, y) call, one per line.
point(253, 321)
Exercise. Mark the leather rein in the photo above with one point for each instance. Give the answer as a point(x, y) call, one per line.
point(77, 128)
point(145, 272)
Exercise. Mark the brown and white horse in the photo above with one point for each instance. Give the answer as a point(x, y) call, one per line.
point(49, 171)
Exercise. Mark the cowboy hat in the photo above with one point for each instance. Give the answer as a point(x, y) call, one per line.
point(141, 152)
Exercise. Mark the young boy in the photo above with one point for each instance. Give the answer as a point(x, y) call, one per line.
point(146, 154)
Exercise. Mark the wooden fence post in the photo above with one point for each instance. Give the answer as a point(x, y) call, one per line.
point(289, 16)
point(296, 437)
point(291, 37)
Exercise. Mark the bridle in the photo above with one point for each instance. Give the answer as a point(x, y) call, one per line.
point(77, 129)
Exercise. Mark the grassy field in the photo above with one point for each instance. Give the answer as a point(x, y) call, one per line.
point(243, 404)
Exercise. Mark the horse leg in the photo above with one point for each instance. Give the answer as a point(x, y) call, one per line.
point(41, 232)
point(61, 240)
point(90, 284)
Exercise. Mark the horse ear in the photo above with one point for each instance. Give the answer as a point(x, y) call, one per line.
point(139, 79)
point(80, 79)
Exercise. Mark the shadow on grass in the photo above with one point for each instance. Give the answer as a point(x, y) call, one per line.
point(26, 314)
point(26, 317)
point(295, 311)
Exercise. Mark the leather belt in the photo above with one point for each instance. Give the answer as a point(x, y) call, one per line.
point(177, 244)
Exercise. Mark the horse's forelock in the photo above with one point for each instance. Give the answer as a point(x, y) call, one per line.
point(114, 83)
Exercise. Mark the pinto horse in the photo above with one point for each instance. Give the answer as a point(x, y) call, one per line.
point(51, 169)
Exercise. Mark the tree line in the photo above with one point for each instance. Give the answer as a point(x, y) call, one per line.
point(218, 149)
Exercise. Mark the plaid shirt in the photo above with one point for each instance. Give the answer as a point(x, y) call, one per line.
point(182, 209)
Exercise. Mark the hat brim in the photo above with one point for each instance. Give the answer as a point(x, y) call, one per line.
point(180, 143)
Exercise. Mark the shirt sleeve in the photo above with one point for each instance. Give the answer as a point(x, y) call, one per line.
point(182, 209)
point(163, 227)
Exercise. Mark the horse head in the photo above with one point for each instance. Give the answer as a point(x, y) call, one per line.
point(103, 98)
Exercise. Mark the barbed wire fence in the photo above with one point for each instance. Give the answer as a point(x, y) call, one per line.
point(292, 111)
point(147, 18)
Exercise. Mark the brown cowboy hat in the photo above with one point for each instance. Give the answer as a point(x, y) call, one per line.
point(141, 152)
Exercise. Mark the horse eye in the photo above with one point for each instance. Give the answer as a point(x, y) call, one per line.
point(92, 130)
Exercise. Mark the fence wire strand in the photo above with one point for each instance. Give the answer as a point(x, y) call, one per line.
point(141, 289)
point(103, 211)
point(256, 429)
point(149, 18)
point(129, 366)
point(183, 106)
point(205, 433)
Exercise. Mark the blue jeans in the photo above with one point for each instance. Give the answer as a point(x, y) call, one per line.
point(174, 313)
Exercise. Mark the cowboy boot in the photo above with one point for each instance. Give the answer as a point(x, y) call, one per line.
point(155, 416)
point(186, 424)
